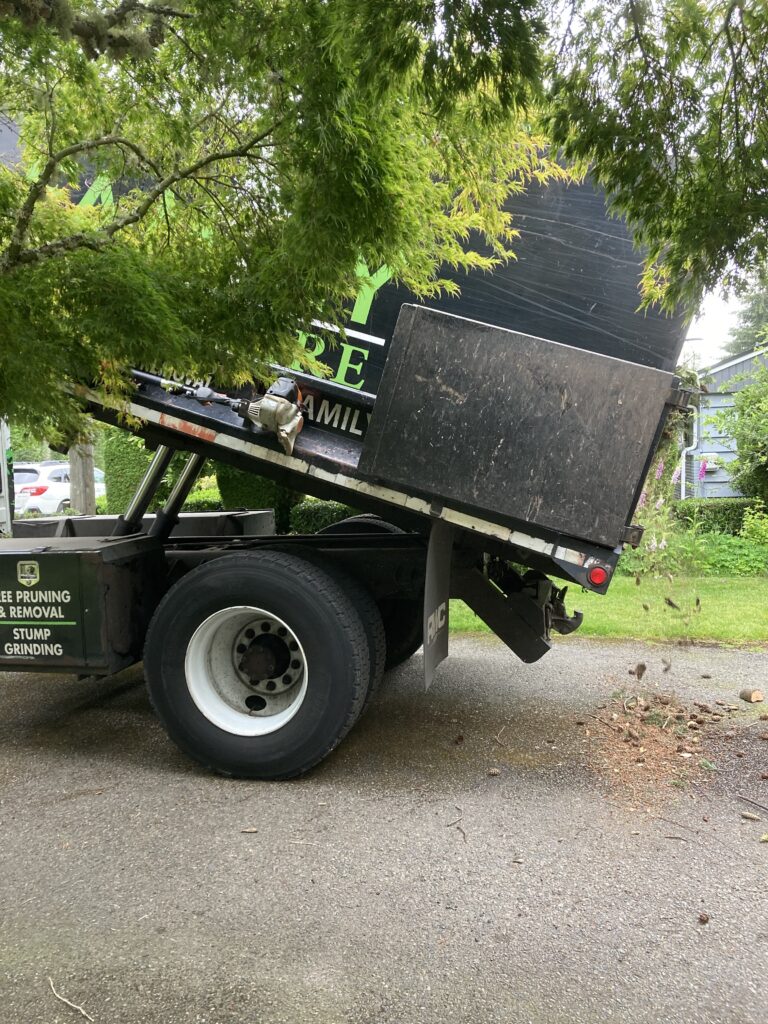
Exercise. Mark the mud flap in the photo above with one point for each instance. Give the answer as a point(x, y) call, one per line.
point(436, 594)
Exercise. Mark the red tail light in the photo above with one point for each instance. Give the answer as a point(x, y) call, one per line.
point(597, 575)
point(34, 492)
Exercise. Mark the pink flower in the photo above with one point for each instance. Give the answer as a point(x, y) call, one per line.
point(703, 469)
point(643, 499)
point(659, 503)
point(660, 469)
point(676, 475)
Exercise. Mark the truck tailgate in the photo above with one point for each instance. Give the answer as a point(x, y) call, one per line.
point(538, 432)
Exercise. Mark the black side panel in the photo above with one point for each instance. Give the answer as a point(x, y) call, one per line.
point(520, 427)
point(77, 604)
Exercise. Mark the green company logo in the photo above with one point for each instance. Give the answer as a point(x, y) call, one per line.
point(28, 573)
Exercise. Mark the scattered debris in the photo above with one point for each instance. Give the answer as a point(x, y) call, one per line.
point(668, 601)
point(65, 1000)
point(494, 772)
point(643, 748)
point(665, 665)
point(459, 740)
point(750, 816)
point(456, 823)
point(645, 606)
point(764, 838)
point(497, 737)
point(249, 831)
point(754, 803)
point(752, 696)
point(703, 918)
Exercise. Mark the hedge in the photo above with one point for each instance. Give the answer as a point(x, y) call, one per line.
point(206, 500)
point(125, 463)
point(714, 515)
point(240, 490)
point(310, 516)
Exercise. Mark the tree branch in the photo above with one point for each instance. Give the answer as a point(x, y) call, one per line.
point(11, 255)
point(97, 31)
point(15, 255)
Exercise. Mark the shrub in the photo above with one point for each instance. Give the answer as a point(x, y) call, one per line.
point(206, 500)
point(696, 553)
point(311, 515)
point(714, 515)
point(125, 463)
point(240, 489)
point(755, 525)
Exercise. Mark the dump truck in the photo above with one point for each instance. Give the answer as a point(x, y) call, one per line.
point(494, 444)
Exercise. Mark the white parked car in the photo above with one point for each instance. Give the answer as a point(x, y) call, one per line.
point(43, 487)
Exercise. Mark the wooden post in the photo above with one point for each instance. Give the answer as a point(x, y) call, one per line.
point(82, 489)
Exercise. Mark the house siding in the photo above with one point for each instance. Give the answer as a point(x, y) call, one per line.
point(723, 383)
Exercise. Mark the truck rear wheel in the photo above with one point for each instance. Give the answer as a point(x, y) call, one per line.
point(402, 617)
point(258, 664)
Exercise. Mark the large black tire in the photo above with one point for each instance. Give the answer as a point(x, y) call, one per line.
point(402, 617)
point(242, 607)
point(370, 616)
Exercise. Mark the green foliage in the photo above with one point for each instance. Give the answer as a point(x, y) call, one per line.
point(310, 516)
point(206, 500)
point(747, 423)
point(26, 447)
point(700, 554)
point(670, 548)
point(660, 98)
point(751, 330)
point(242, 490)
point(270, 162)
point(713, 515)
point(755, 525)
point(125, 463)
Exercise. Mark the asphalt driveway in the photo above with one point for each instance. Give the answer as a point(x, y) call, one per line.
point(458, 859)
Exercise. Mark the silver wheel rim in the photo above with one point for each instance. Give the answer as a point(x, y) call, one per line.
point(246, 671)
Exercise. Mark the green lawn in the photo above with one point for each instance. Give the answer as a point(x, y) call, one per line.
point(733, 610)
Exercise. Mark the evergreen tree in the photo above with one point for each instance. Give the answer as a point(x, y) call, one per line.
point(751, 330)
